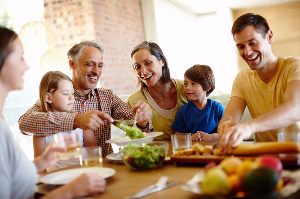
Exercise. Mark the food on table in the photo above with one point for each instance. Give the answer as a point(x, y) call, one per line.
point(263, 148)
point(143, 156)
point(209, 165)
point(208, 150)
point(131, 132)
point(215, 182)
point(188, 152)
point(269, 162)
point(230, 165)
point(198, 148)
point(260, 176)
point(260, 181)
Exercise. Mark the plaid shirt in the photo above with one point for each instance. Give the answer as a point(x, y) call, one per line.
point(35, 122)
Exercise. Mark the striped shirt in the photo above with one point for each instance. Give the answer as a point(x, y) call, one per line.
point(35, 122)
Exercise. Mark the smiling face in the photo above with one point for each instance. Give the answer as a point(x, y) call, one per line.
point(147, 68)
point(193, 90)
point(14, 67)
point(87, 72)
point(62, 99)
point(253, 48)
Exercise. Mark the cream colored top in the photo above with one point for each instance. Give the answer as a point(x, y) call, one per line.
point(161, 122)
point(262, 98)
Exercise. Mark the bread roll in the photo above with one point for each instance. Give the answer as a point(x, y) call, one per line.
point(263, 148)
point(198, 148)
point(208, 149)
point(188, 152)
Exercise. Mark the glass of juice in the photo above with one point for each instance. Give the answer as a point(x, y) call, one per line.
point(91, 157)
point(71, 140)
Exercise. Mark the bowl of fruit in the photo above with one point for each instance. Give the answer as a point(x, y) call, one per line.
point(144, 156)
point(236, 178)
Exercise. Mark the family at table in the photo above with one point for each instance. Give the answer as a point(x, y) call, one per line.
point(268, 89)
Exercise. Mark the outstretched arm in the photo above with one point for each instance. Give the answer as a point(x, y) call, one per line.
point(285, 115)
point(40, 123)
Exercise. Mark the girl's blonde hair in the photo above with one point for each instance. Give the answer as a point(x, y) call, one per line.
point(49, 84)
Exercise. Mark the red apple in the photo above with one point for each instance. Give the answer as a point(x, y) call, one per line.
point(209, 166)
point(269, 161)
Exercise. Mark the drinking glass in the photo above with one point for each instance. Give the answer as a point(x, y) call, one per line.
point(288, 137)
point(181, 142)
point(91, 157)
point(71, 141)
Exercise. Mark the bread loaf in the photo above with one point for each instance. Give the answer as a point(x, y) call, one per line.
point(198, 148)
point(263, 148)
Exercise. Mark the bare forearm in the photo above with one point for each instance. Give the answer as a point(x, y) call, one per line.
point(62, 192)
point(281, 117)
point(40, 164)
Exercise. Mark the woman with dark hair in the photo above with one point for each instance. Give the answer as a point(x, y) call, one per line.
point(17, 173)
point(164, 94)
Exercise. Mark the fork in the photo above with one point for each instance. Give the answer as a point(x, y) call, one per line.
point(161, 182)
point(136, 114)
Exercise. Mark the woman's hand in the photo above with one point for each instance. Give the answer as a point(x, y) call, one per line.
point(49, 157)
point(144, 113)
point(86, 184)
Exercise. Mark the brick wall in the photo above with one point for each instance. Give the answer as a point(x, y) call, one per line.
point(116, 24)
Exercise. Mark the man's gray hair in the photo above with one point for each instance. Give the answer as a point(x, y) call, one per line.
point(75, 52)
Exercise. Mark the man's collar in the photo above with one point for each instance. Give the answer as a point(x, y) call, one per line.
point(77, 93)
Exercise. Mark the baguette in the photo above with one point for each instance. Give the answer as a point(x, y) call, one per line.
point(198, 148)
point(263, 148)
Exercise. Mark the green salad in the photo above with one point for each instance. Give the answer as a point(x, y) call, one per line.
point(140, 157)
point(132, 132)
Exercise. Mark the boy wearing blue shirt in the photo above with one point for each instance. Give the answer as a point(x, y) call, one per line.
point(200, 116)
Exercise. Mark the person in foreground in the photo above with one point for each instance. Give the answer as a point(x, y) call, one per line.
point(270, 88)
point(17, 173)
point(164, 94)
point(200, 116)
point(95, 108)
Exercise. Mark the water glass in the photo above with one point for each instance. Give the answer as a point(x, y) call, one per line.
point(91, 157)
point(288, 137)
point(181, 141)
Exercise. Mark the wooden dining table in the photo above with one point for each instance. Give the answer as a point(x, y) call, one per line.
point(126, 182)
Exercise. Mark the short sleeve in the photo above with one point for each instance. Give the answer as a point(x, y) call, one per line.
point(179, 123)
point(237, 89)
point(294, 70)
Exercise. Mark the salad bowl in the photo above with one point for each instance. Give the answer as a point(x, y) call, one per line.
point(145, 156)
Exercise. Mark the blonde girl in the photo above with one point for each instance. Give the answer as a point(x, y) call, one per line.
point(56, 94)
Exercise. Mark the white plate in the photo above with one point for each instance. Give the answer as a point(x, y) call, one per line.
point(125, 140)
point(114, 156)
point(66, 176)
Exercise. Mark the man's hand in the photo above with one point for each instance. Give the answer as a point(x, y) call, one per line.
point(144, 113)
point(91, 120)
point(232, 135)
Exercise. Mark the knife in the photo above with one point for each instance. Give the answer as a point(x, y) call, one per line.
point(147, 192)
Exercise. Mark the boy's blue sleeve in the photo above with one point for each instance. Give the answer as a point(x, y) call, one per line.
point(179, 123)
point(221, 111)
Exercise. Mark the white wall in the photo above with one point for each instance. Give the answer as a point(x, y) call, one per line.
point(188, 39)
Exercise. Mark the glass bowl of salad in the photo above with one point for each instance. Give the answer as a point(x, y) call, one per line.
point(145, 156)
